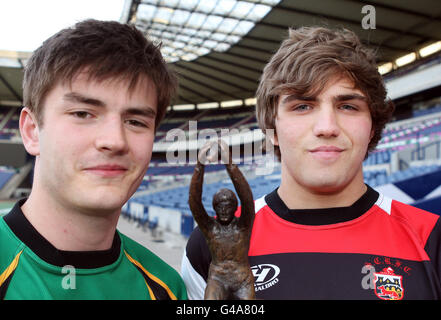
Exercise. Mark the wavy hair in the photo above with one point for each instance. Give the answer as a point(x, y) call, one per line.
point(307, 60)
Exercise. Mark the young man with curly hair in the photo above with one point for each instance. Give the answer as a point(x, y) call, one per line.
point(323, 233)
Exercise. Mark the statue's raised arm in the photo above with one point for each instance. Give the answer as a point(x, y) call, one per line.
point(241, 185)
point(198, 211)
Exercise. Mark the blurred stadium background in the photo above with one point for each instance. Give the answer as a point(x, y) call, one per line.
point(219, 49)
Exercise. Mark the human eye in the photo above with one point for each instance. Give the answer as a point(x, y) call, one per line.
point(137, 123)
point(301, 107)
point(81, 114)
point(349, 107)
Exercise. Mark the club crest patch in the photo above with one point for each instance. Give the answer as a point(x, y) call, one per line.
point(388, 285)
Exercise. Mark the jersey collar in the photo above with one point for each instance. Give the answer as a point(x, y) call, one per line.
point(326, 216)
point(24, 230)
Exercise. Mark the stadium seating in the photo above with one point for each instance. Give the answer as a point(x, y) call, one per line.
point(9, 117)
point(410, 134)
point(418, 133)
point(5, 175)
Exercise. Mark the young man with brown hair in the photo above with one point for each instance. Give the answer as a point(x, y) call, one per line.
point(94, 95)
point(323, 233)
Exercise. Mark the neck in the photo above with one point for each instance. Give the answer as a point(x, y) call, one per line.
point(66, 228)
point(296, 196)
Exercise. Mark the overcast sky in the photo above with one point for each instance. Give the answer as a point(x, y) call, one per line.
point(25, 24)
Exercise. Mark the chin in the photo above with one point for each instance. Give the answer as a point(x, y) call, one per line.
point(102, 211)
point(325, 185)
point(101, 205)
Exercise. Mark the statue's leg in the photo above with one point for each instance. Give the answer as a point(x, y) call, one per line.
point(215, 290)
point(246, 293)
point(246, 290)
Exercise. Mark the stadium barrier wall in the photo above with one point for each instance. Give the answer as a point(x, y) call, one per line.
point(422, 191)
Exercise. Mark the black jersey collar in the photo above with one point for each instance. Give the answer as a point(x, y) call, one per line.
point(24, 230)
point(325, 216)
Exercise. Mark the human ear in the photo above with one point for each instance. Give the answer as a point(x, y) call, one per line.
point(372, 134)
point(29, 131)
point(272, 135)
point(274, 140)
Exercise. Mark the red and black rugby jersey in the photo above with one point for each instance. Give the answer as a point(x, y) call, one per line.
point(377, 248)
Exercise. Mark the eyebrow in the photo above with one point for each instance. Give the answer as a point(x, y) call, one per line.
point(142, 111)
point(293, 97)
point(339, 98)
point(76, 97)
point(352, 96)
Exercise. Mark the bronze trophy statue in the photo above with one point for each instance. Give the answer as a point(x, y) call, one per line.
point(227, 236)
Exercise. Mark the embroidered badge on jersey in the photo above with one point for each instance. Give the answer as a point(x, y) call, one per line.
point(386, 277)
point(388, 285)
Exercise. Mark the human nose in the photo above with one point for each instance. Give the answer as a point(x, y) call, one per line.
point(111, 137)
point(326, 124)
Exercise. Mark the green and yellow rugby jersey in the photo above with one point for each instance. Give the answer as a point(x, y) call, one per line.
point(32, 268)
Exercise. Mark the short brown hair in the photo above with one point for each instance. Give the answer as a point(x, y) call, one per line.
point(311, 56)
point(106, 49)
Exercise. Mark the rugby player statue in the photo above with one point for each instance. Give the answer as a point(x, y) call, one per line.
point(227, 236)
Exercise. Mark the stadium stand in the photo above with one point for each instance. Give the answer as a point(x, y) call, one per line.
point(5, 175)
point(9, 123)
point(407, 155)
point(406, 164)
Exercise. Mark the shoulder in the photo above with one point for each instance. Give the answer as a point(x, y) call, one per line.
point(10, 245)
point(148, 261)
point(421, 222)
point(259, 204)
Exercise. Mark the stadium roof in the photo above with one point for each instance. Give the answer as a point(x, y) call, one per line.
point(219, 48)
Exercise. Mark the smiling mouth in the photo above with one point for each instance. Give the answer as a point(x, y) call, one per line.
point(327, 149)
point(107, 170)
point(326, 153)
